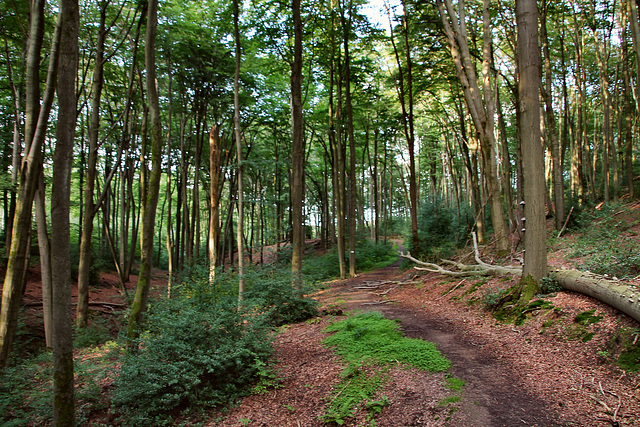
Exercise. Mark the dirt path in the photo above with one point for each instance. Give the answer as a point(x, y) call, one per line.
point(513, 376)
point(492, 395)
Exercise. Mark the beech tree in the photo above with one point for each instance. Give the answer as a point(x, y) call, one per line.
point(151, 187)
point(36, 123)
point(62, 333)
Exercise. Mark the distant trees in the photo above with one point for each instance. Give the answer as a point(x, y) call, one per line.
point(330, 130)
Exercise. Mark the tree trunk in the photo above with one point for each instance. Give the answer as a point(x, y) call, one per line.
point(619, 296)
point(44, 245)
point(552, 131)
point(535, 257)
point(84, 264)
point(150, 197)
point(405, 95)
point(351, 212)
point(481, 110)
point(297, 150)
point(239, 156)
point(62, 332)
point(35, 131)
point(214, 209)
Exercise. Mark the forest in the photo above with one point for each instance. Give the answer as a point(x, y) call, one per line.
point(252, 150)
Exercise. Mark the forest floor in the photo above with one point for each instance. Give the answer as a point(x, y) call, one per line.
point(538, 374)
point(552, 371)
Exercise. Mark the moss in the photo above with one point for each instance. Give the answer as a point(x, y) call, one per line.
point(587, 317)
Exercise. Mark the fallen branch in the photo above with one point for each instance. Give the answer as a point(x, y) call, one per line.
point(380, 302)
point(623, 297)
point(455, 287)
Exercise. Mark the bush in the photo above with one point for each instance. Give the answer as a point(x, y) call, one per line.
point(190, 357)
point(602, 248)
point(440, 229)
point(278, 302)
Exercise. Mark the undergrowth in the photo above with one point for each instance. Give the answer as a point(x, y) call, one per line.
point(603, 245)
point(370, 344)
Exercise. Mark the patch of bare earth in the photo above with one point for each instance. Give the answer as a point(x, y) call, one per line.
point(515, 376)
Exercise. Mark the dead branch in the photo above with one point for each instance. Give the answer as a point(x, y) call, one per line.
point(481, 269)
point(454, 288)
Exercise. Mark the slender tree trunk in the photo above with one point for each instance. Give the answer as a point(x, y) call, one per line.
point(239, 156)
point(44, 245)
point(481, 110)
point(62, 332)
point(84, 264)
point(297, 150)
point(214, 209)
point(405, 94)
point(35, 131)
point(353, 189)
point(552, 131)
point(150, 199)
point(335, 138)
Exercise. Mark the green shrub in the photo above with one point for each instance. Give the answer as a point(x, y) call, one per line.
point(440, 229)
point(280, 304)
point(371, 339)
point(549, 284)
point(190, 357)
point(602, 248)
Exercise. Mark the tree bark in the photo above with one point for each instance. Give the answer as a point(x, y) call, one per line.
point(150, 196)
point(239, 156)
point(214, 208)
point(552, 130)
point(351, 211)
point(481, 110)
point(535, 256)
point(84, 264)
point(62, 331)
point(36, 122)
point(297, 150)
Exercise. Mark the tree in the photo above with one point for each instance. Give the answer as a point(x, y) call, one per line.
point(62, 333)
point(214, 207)
point(238, 137)
point(535, 256)
point(36, 122)
point(151, 188)
point(480, 104)
point(297, 149)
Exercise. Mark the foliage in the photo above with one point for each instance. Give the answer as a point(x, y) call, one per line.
point(371, 337)
point(580, 329)
point(357, 385)
point(441, 229)
point(371, 255)
point(603, 247)
point(94, 334)
point(193, 355)
point(549, 284)
point(26, 390)
point(453, 383)
point(273, 296)
point(493, 298)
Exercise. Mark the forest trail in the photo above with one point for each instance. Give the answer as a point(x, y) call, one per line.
point(493, 395)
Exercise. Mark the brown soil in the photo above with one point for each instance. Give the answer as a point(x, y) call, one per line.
point(515, 376)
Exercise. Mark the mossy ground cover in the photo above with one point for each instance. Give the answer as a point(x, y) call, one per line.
point(370, 344)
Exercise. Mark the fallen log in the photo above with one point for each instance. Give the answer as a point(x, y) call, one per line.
point(623, 297)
